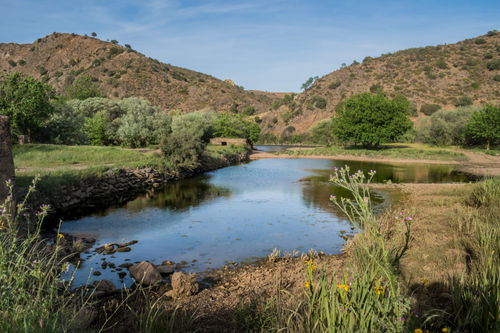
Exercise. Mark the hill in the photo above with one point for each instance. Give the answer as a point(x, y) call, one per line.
point(122, 72)
point(434, 74)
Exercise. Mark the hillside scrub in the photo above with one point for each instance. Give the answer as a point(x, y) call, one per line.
point(371, 119)
point(445, 127)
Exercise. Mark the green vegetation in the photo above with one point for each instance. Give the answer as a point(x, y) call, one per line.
point(334, 85)
point(26, 102)
point(397, 152)
point(429, 109)
point(306, 85)
point(493, 64)
point(235, 126)
point(371, 120)
point(445, 127)
point(83, 87)
point(484, 127)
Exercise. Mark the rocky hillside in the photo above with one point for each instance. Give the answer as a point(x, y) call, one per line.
point(122, 72)
point(433, 74)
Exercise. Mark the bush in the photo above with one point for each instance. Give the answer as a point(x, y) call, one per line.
point(42, 70)
point(376, 88)
point(412, 109)
point(83, 87)
point(464, 101)
point(480, 41)
point(21, 62)
point(275, 105)
point(429, 109)
point(229, 125)
point(497, 78)
point(319, 102)
point(446, 127)
point(141, 125)
point(322, 132)
point(12, 63)
point(196, 124)
point(442, 64)
point(334, 85)
point(248, 110)
point(183, 149)
point(64, 126)
point(493, 64)
point(275, 120)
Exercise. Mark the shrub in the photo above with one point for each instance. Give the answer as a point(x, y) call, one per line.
point(235, 126)
point(319, 102)
point(248, 110)
point(114, 41)
point(128, 46)
point(497, 78)
point(183, 149)
point(73, 61)
point(141, 125)
point(96, 130)
point(114, 51)
point(464, 101)
point(93, 34)
point(474, 85)
point(492, 33)
point(306, 85)
point(334, 85)
point(196, 124)
point(446, 127)
point(429, 109)
point(83, 87)
point(12, 63)
point(480, 41)
point(274, 120)
point(488, 56)
point(42, 70)
point(275, 105)
point(412, 109)
point(322, 132)
point(21, 62)
point(58, 74)
point(442, 64)
point(376, 88)
point(493, 64)
point(64, 126)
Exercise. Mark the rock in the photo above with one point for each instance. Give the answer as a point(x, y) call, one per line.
point(123, 249)
point(121, 275)
point(167, 262)
point(85, 317)
point(183, 285)
point(104, 285)
point(97, 273)
point(166, 269)
point(145, 273)
point(125, 265)
point(108, 247)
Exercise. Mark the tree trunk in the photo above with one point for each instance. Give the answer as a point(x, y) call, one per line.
point(488, 145)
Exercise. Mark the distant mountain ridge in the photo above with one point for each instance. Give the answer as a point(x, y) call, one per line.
point(433, 74)
point(59, 58)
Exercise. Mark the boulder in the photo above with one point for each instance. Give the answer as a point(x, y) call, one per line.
point(104, 285)
point(183, 285)
point(166, 269)
point(145, 273)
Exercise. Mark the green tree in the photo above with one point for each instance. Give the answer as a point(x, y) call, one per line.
point(95, 129)
point(306, 85)
point(84, 87)
point(484, 126)
point(322, 132)
point(64, 126)
point(228, 125)
point(196, 124)
point(26, 102)
point(370, 120)
point(141, 125)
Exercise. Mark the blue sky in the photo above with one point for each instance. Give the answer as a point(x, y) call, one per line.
point(271, 45)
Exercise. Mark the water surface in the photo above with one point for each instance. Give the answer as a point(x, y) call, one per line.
point(236, 214)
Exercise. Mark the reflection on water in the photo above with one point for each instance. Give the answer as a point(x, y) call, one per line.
point(233, 214)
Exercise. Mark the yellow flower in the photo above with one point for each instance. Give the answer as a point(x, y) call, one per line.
point(444, 330)
point(379, 290)
point(60, 235)
point(309, 261)
point(308, 284)
point(418, 330)
point(343, 286)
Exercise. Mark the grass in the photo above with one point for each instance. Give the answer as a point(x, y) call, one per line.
point(60, 165)
point(390, 151)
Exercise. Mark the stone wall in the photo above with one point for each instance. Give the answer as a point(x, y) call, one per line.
point(6, 160)
point(228, 141)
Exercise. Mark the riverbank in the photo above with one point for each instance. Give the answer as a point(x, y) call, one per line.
point(76, 180)
point(469, 161)
point(442, 245)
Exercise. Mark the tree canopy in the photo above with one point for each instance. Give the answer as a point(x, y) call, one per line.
point(26, 102)
point(484, 126)
point(84, 87)
point(370, 119)
point(235, 126)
